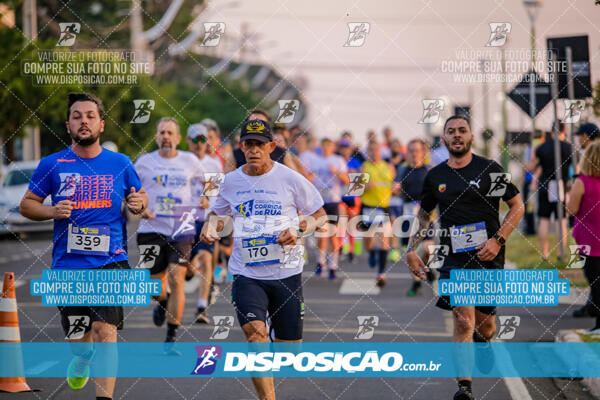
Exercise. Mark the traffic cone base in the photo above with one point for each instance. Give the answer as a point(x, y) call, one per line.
point(9, 333)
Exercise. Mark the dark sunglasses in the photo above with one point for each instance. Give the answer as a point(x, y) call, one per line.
point(200, 138)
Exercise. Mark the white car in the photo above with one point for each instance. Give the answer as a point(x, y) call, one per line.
point(15, 181)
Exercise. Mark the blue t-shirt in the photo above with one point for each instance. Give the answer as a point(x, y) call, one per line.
point(93, 235)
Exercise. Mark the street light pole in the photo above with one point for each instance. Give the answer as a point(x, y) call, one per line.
point(532, 7)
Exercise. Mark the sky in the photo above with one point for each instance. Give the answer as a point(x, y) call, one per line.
point(410, 53)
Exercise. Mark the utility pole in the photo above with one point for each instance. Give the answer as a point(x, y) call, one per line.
point(31, 141)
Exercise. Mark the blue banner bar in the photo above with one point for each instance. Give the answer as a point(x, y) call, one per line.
point(222, 359)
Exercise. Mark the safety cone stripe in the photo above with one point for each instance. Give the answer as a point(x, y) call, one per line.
point(9, 333)
point(8, 305)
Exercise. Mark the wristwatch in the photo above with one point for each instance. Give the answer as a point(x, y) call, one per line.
point(501, 241)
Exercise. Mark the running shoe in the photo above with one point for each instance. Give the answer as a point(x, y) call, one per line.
point(350, 258)
point(381, 280)
point(169, 347)
point(464, 393)
point(159, 315)
point(202, 317)
point(78, 373)
point(394, 255)
point(318, 270)
point(332, 274)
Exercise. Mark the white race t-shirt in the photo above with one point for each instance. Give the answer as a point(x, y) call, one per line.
point(328, 184)
point(213, 170)
point(263, 206)
point(308, 159)
point(170, 183)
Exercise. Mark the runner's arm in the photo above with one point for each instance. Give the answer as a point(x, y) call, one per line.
point(32, 207)
point(423, 219)
point(516, 210)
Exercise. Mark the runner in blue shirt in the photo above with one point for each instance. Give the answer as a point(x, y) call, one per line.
point(87, 184)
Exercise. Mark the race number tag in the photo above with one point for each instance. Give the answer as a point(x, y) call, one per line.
point(467, 237)
point(89, 240)
point(262, 250)
point(165, 206)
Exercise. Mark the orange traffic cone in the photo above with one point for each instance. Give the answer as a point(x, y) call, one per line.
point(9, 332)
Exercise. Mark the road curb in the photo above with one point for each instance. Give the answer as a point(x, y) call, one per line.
point(571, 336)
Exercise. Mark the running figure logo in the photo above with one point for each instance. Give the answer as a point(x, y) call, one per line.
point(68, 183)
point(358, 183)
point(578, 255)
point(77, 326)
point(287, 111)
point(358, 33)
point(438, 255)
point(188, 224)
point(212, 33)
point(573, 110)
point(223, 323)
point(499, 33)
point(207, 359)
point(141, 114)
point(212, 183)
point(508, 326)
point(432, 110)
point(68, 33)
point(148, 255)
point(500, 181)
point(366, 326)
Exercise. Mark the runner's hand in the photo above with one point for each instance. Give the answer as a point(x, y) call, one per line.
point(416, 265)
point(135, 201)
point(287, 237)
point(488, 250)
point(209, 233)
point(62, 209)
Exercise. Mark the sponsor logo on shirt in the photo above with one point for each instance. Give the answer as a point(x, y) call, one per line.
point(442, 188)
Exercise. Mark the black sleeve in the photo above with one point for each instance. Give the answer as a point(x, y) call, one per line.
point(511, 189)
point(428, 200)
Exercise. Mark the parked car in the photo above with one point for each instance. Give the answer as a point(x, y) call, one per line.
point(15, 181)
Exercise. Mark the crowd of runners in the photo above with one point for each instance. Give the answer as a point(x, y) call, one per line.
point(274, 202)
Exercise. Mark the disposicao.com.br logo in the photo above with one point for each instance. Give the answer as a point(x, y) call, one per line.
point(351, 362)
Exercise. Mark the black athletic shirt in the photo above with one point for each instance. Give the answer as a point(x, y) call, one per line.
point(545, 155)
point(277, 155)
point(461, 195)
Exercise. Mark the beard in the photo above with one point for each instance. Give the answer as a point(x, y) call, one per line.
point(461, 152)
point(85, 141)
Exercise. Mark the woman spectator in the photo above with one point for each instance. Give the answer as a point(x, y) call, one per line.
point(584, 205)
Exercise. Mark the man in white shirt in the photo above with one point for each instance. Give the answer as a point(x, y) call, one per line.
point(264, 198)
point(167, 228)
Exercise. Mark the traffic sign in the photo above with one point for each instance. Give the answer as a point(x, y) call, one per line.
point(582, 84)
point(521, 93)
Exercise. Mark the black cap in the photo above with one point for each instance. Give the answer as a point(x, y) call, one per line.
point(256, 129)
point(589, 129)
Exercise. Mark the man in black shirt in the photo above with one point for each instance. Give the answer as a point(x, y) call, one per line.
point(548, 188)
point(467, 188)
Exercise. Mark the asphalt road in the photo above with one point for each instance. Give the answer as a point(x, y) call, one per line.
point(331, 316)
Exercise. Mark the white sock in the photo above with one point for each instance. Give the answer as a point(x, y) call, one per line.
point(333, 260)
point(323, 258)
point(202, 303)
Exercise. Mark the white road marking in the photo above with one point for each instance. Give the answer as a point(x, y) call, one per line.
point(515, 385)
point(19, 283)
point(360, 287)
